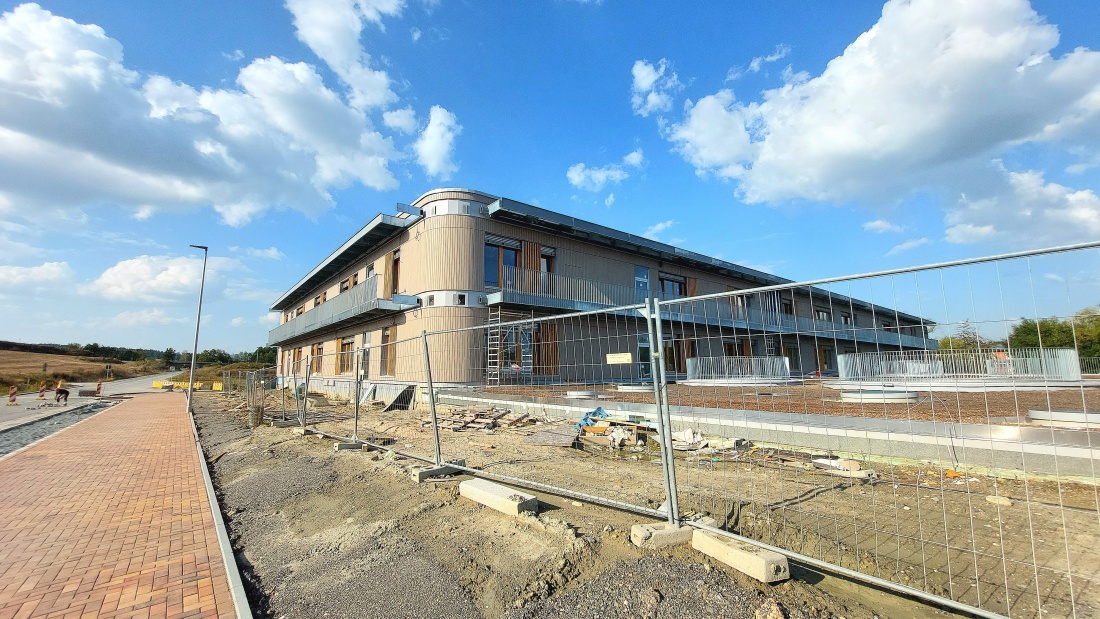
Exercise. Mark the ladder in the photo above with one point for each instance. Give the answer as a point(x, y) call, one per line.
point(492, 350)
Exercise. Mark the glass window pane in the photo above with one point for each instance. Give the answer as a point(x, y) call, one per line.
point(492, 265)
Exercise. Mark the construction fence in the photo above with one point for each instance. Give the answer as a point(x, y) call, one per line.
point(844, 434)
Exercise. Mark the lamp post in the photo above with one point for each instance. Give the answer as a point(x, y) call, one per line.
point(198, 319)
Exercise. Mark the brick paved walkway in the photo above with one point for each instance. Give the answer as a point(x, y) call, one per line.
point(111, 519)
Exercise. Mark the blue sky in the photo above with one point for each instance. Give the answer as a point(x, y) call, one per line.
point(806, 139)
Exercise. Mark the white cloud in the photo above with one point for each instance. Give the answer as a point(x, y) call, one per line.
point(906, 246)
point(415, 34)
point(236, 55)
point(657, 228)
point(609, 200)
point(271, 253)
point(332, 28)
point(653, 87)
point(758, 62)
point(924, 100)
point(435, 146)
point(880, 226)
point(236, 322)
point(158, 279)
point(404, 119)
point(1027, 211)
point(146, 317)
point(582, 176)
point(271, 318)
point(278, 137)
point(47, 273)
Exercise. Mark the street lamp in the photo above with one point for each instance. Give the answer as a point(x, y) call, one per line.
point(198, 319)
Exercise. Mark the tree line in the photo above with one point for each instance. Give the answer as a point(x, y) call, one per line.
point(1080, 331)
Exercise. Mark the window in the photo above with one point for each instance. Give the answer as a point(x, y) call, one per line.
point(787, 307)
point(500, 265)
point(319, 299)
point(301, 309)
point(822, 315)
point(846, 319)
point(641, 282)
point(431, 300)
point(316, 358)
point(672, 287)
point(297, 360)
point(345, 360)
point(460, 299)
point(387, 362)
point(349, 283)
point(886, 324)
point(370, 271)
point(546, 264)
point(396, 272)
point(644, 371)
point(729, 348)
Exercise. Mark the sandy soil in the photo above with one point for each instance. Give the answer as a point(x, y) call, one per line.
point(345, 534)
point(815, 397)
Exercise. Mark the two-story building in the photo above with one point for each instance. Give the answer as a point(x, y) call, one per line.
point(459, 258)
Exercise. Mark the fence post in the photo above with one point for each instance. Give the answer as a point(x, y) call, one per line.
point(305, 390)
point(664, 420)
point(283, 390)
point(431, 399)
point(358, 358)
point(263, 412)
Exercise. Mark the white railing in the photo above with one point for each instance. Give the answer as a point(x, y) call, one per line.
point(1017, 363)
point(347, 304)
point(1090, 365)
point(718, 368)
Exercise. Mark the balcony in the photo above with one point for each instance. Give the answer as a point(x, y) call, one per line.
point(549, 290)
point(359, 303)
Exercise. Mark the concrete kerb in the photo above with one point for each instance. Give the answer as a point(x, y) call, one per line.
point(232, 572)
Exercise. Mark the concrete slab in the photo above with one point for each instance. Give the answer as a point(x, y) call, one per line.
point(348, 446)
point(763, 565)
point(279, 423)
point(303, 431)
point(499, 497)
point(422, 472)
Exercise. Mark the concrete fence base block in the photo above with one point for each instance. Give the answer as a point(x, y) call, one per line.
point(422, 473)
point(501, 498)
point(303, 431)
point(655, 535)
point(659, 535)
point(348, 446)
point(284, 424)
point(763, 565)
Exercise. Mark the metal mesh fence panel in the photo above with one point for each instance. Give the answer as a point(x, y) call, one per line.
point(934, 432)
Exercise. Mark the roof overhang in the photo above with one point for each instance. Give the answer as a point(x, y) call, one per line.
point(371, 236)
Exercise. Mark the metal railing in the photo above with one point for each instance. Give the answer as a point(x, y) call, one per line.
point(1016, 363)
point(724, 368)
point(353, 302)
point(1090, 365)
point(541, 288)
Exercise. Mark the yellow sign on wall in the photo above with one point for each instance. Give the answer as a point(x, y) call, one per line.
point(619, 358)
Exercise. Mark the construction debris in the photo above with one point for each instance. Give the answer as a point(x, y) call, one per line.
point(482, 419)
point(559, 435)
point(688, 440)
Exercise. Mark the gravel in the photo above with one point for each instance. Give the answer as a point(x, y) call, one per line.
point(19, 437)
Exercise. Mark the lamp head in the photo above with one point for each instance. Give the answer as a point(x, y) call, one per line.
point(202, 247)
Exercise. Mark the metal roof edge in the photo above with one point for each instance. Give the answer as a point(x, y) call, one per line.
point(378, 220)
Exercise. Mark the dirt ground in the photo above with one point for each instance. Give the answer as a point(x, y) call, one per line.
point(340, 534)
point(815, 397)
point(1009, 543)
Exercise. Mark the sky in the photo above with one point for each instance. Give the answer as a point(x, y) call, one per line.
point(804, 139)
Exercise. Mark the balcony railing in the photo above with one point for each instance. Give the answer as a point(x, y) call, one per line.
point(357, 301)
point(1017, 363)
point(574, 293)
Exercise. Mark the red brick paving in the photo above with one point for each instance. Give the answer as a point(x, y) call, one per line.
point(111, 519)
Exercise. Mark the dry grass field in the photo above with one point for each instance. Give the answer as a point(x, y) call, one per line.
point(25, 369)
